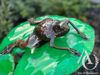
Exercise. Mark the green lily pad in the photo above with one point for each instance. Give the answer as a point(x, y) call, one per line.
point(6, 65)
point(47, 60)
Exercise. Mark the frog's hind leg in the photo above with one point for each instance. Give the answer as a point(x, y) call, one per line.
point(33, 21)
point(17, 43)
point(8, 49)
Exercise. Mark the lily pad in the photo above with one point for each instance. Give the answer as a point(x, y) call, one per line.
point(47, 60)
point(6, 65)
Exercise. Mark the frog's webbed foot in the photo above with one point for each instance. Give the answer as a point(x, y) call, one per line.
point(83, 36)
point(8, 49)
point(79, 32)
point(74, 51)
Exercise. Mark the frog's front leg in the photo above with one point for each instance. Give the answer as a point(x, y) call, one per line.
point(73, 51)
point(78, 31)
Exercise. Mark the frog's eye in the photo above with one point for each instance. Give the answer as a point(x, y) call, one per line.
point(63, 24)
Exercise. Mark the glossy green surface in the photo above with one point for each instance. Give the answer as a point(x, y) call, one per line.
point(47, 60)
point(6, 65)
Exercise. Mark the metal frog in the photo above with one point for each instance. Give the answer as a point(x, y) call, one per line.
point(46, 30)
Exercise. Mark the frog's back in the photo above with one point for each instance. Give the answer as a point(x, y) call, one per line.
point(44, 29)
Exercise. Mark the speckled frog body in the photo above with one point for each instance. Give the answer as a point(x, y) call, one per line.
point(46, 30)
point(50, 27)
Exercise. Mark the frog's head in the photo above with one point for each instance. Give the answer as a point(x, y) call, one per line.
point(61, 28)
